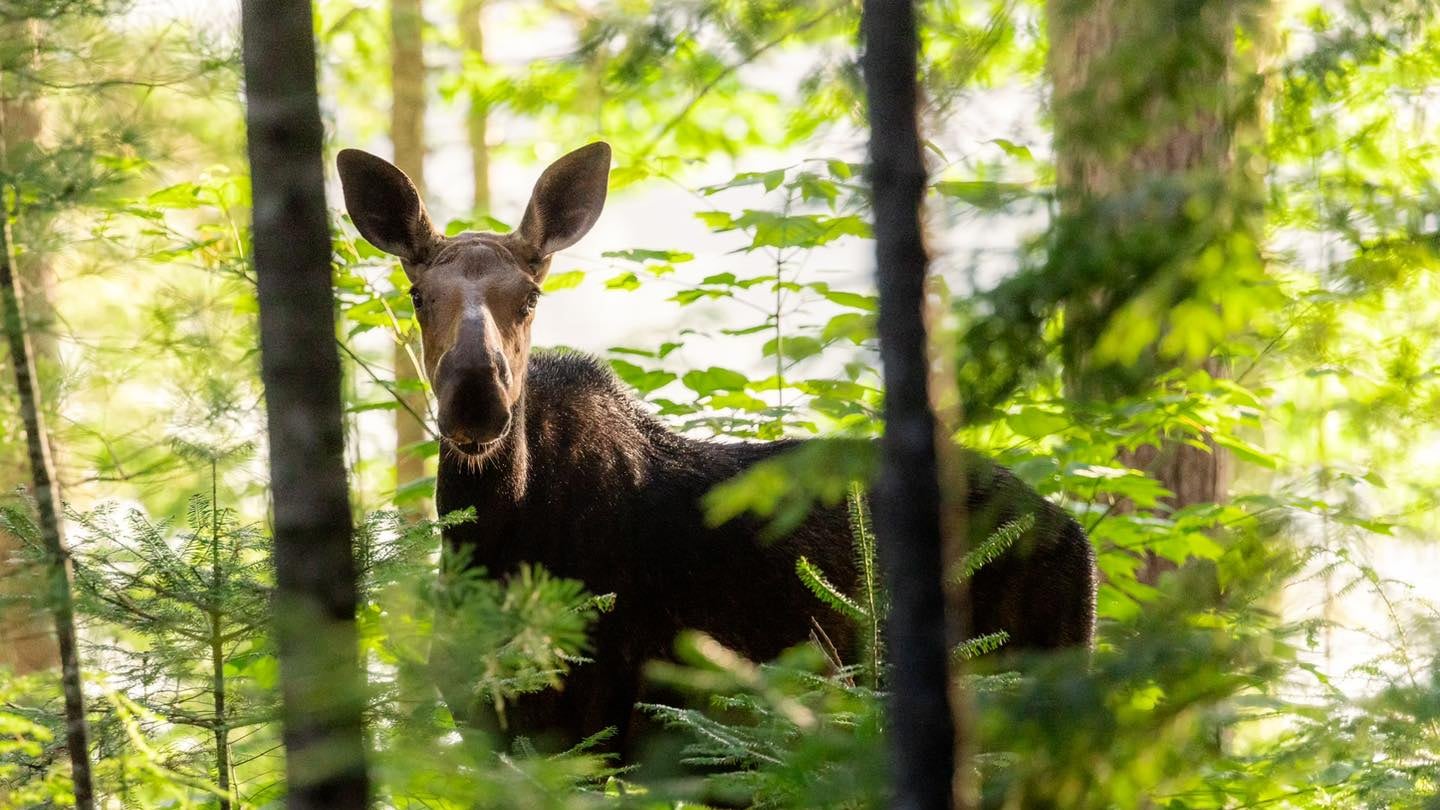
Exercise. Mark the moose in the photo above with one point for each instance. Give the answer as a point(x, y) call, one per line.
point(565, 469)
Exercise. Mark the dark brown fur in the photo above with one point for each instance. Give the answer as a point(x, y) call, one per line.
point(565, 469)
point(592, 487)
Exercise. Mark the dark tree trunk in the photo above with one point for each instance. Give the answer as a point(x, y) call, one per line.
point(906, 496)
point(321, 683)
point(22, 360)
point(217, 646)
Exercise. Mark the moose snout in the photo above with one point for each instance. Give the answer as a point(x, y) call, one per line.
point(473, 407)
point(472, 386)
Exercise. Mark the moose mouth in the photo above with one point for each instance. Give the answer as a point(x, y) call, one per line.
point(472, 450)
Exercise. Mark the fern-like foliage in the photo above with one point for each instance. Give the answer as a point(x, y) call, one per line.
point(993, 546)
point(980, 645)
point(783, 734)
point(872, 593)
point(500, 639)
point(827, 592)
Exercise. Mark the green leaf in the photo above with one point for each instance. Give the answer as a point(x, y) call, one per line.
point(625, 281)
point(1245, 451)
point(1015, 150)
point(794, 347)
point(854, 300)
point(1034, 423)
point(641, 255)
point(983, 194)
point(855, 327)
point(180, 196)
point(771, 180)
point(714, 379)
point(642, 380)
point(563, 281)
point(716, 220)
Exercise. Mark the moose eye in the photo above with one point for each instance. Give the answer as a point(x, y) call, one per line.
point(530, 301)
point(416, 298)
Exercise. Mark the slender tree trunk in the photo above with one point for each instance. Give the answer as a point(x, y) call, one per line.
point(407, 135)
point(907, 494)
point(26, 644)
point(47, 500)
point(322, 687)
point(477, 117)
point(217, 646)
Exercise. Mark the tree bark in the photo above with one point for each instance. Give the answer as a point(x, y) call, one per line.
point(321, 682)
point(217, 646)
point(407, 135)
point(47, 500)
point(906, 493)
point(26, 645)
point(1106, 66)
point(477, 117)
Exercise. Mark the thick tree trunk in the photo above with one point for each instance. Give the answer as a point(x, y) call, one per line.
point(47, 502)
point(407, 135)
point(906, 494)
point(321, 684)
point(1163, 70)
point(477, 116)
point(26, 644)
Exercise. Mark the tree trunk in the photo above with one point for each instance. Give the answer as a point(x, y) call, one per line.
point(26, 644)
point(407, 135)
point(47, 501)
point(1163, 70)
point(217, 646)
point(906, 494)
point(477, 117)
point(322, 688)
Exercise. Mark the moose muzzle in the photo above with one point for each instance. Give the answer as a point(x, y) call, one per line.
point(472, 386)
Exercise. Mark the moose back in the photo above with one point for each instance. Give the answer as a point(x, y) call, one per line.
point(565, 469)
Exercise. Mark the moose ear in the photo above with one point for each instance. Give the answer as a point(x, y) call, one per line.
point(567, 199)
point(385, 206)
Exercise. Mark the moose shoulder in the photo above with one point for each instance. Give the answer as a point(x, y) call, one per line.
point(566, 470)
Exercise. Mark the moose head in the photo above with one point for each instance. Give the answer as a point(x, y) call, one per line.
point(475, 293)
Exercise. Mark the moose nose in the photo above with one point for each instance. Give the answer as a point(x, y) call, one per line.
point(473, 407)
point(472, 381)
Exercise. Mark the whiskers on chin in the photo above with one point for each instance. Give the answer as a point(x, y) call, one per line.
point(471, 460)
point(471, 456)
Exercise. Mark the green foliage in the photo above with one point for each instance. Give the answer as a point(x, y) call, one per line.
point(826, 592)
point(503, 639)
point(992, 547)
point(1286, 663)
point(787, 735)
